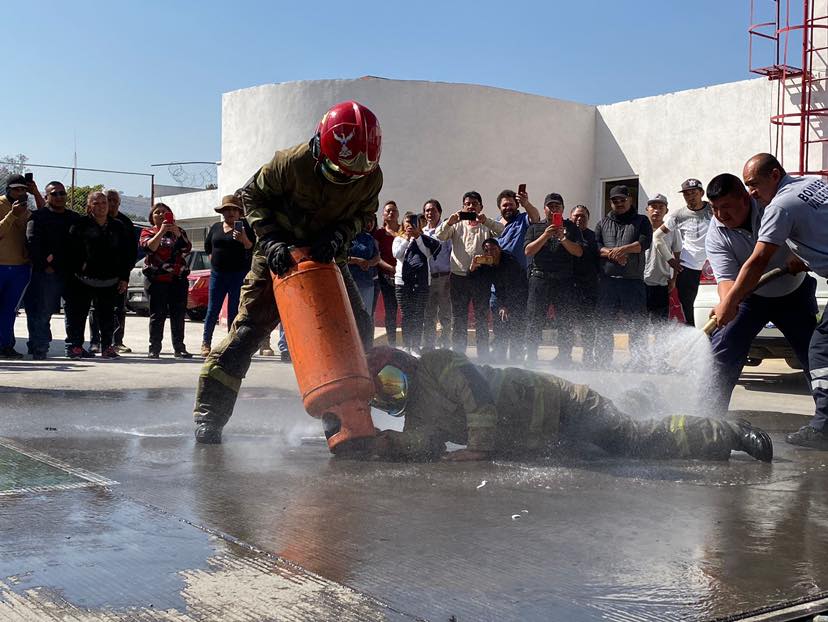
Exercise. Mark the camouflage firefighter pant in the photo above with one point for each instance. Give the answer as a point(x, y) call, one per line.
point(600, 422)
point(222, 373)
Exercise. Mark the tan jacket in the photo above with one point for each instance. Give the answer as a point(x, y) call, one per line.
point(13, 250)
point(467, 241)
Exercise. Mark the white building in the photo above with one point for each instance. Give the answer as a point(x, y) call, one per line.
point(440, 139)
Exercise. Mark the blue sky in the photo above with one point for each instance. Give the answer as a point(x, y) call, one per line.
point(140, 82)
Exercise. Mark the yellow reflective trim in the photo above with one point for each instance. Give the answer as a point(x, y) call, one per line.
point(679, 431)
point(212, 370)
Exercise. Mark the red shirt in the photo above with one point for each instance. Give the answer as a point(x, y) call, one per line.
point(385, 241)
point(168, 260)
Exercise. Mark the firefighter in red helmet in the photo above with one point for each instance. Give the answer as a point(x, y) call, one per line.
point(316, 194)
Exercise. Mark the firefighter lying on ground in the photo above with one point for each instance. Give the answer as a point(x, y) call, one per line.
point(516, 413)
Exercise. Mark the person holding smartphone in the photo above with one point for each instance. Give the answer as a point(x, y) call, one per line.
point(15, 269)
point(412, 277)
point(468, 229)
point(229, 245)
point(551, 247)
point(166, 270)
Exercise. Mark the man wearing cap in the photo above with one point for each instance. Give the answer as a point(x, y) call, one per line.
point(692, 221)
point(15, 269)
point(788, 301)
point(467, 229)
point(47, 238)
point(551, 250)
point(229, 245)
point(623, 237)
point(515, 413)
point(659, 273)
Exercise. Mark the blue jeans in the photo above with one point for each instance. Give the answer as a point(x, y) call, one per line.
point(41, 301)
point(13, 282)
point(366, 292)
point(222, 284)
point(794, 315)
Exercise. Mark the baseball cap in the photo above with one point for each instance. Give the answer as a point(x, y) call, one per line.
point(691, 184)
point(553, 197)
point(16, 181)
point(619, 191)
point(659, 198)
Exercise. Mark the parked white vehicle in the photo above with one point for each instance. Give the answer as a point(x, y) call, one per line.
point(769, 343)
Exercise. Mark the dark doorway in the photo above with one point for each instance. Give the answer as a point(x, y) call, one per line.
point(632, 184)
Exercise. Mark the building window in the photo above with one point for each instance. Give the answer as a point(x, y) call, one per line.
point(606, 186)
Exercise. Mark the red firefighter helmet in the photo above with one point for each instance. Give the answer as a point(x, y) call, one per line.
point(349, 142)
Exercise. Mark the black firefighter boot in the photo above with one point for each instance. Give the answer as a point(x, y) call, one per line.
point(753, 441)
point(213, 407)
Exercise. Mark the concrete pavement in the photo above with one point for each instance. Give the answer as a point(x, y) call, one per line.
point(108, 511)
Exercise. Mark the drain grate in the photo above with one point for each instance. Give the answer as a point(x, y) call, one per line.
point(24, 470)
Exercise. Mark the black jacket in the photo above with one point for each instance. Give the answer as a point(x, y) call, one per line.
point(47, 233)
point(509, 280)
point(100, 252)
point(615, 230)
point(415, 270)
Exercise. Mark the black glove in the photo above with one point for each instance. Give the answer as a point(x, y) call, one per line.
point(278, 256)
point(327, 245)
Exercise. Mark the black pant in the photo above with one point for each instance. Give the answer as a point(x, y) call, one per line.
point(79, 297)
point(475, 290)
point(167, 299)
point(509, 334)
point(389, 303)
point(658, 303)
point(629, 297)
point(687, 284)
point(120, 321)
point(584, 301)
point(544, 291)
point(412, 301)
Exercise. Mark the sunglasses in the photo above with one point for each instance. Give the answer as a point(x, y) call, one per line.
point(58, 193)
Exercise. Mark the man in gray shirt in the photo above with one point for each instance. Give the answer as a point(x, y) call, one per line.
point(788, 302)
point(796, 215)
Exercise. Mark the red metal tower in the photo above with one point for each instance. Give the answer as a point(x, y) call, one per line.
point(806, 35)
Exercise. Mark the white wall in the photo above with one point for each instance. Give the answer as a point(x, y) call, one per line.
point(192, 204)
point(439, 140)
point(443, 139)
point(698, 133)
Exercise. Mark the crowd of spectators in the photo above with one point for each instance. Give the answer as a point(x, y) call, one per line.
point(531, 269)
point(518, 274)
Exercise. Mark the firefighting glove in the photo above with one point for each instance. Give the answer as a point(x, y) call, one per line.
point(327, 245)
point(278, 256)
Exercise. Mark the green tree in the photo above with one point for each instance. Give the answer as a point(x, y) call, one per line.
point(10, 165)
point(77, 197)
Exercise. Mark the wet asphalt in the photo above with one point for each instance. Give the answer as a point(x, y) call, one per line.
point(580, 537)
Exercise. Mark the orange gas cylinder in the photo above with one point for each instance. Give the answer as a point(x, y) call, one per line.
point(325, 348)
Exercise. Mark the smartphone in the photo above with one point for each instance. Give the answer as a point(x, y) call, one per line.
point(238, 226)
point(468, 215)
point(557, 219)
point(29, 177)
point(521, 188)
point(485, 260)
point(169, 218)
